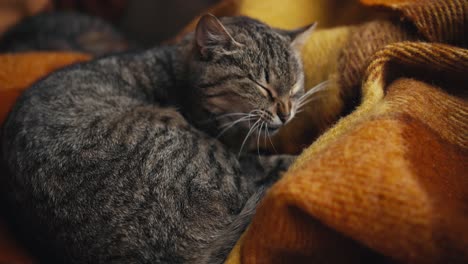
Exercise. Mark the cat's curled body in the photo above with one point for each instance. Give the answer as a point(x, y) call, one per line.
point(113, 161)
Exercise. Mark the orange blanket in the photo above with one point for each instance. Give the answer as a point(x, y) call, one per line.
point(12, 11)
point(389, 181)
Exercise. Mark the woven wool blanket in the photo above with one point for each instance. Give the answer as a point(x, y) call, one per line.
point(387, 181)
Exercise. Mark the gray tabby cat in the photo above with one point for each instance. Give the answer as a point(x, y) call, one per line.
point(119, 160)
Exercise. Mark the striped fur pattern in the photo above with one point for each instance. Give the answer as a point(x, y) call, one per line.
point(120, 160)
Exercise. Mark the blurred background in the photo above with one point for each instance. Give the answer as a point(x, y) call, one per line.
point(145, 21)
point(149, 22)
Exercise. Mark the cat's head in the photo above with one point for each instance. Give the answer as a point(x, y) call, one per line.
point(247, 74)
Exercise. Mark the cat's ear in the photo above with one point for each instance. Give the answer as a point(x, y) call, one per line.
point(299, 36)
point(211, 33)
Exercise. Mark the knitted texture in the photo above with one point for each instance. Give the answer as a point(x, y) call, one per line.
point(437, 20)
point(388, 181)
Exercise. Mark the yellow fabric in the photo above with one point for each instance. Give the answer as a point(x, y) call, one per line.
point(293, 13)
point(296, 13)
point(389, 179)
point(283, 14)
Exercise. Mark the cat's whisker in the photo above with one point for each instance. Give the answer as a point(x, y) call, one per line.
point(302, 104)
point(244, 117)
point(228, 126)
point(224, 116)
point(302, 99)
point(255, 111)
point(258, 137)
point(318, 88)
point(241, 114)
point(235, 121)
point(269, 138)
point(309, 100)
point(248, 135)
point(231, 114)
point(232, 124)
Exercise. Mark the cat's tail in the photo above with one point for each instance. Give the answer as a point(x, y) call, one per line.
point(218, 250)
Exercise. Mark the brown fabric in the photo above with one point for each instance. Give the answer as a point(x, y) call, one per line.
point(394, 183)
point(362, 42)
point(111, 10)
point(389, 181)
point(367, 39)
point(437, 20)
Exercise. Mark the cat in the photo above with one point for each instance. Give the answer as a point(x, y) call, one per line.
point(64, 31)
point(149, 157)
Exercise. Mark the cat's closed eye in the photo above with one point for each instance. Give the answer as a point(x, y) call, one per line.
point(295, 90)
point(264, 90)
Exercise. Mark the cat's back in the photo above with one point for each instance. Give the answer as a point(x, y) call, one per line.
point(98, 120)
point(87, 145)
point(101, 101)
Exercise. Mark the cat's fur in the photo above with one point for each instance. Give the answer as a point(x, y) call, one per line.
point(64, 31)
point(118, 161)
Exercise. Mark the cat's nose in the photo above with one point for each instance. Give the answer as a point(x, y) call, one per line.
point(284, 111)
point(284, 118)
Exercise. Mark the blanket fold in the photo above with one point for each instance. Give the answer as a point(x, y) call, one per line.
point(389, 178)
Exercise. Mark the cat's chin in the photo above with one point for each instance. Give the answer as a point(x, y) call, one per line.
point(234, 138)
point(272, 130)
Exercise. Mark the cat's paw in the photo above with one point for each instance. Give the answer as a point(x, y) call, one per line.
point(276, 166)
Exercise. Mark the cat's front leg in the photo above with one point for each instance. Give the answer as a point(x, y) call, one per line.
point(266, 170)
